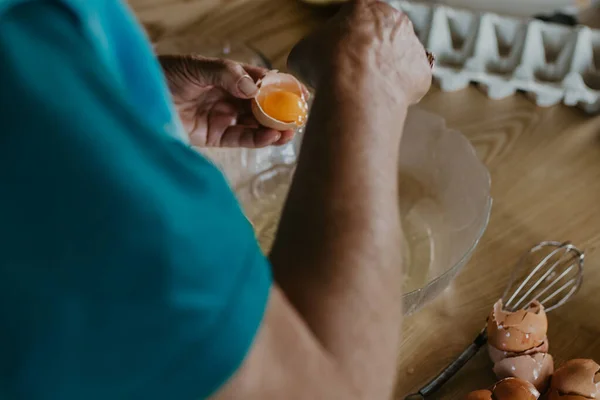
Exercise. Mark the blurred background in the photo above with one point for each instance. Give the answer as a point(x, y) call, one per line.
point(271, 27)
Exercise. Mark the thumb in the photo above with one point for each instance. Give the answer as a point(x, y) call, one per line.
point(229, 76)
point(225, 74)
point(185, 72)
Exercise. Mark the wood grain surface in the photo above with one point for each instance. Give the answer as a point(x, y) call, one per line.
point(545, 167)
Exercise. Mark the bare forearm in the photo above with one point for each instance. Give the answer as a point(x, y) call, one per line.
point(336, 253)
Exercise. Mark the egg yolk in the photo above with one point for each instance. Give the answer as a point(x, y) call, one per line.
point(285, 106)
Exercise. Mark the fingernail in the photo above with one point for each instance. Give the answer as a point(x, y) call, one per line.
point(247, 86)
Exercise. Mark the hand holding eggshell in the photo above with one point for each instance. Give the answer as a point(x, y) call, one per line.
point(213, 99)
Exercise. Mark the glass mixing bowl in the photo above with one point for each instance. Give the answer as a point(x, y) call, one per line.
point(444, 199)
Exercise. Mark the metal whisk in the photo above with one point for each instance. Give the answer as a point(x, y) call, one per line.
point(556, 276)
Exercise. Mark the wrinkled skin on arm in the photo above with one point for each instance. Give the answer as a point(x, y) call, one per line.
point(332, 326)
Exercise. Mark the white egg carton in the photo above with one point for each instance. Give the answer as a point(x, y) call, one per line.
point(550, 62)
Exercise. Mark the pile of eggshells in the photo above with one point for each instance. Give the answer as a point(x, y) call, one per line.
point(518, 347)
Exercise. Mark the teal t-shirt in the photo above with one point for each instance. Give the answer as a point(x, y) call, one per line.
point(127, 269)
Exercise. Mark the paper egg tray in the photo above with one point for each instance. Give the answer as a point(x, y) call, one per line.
point(551, 63)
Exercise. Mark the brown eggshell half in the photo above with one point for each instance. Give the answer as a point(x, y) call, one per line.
point(479, 395)
point(578, 377)
point(287, 81)
point(532, 320)
point(536, 369)
point(511, 339)
point(499, 355)
point(514, 389)
point(518, 331)
point(553, 394)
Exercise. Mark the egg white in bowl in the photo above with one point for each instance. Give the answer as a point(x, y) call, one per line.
point(444, 199)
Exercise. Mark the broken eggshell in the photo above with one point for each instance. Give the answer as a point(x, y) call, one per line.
point(578, 377)
point(517, 331)
point(507, 389)
point(514, 389)
point(536, 369)
point(272, 81)
point(499, 355)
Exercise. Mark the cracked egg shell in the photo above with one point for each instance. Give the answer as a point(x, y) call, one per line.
point(514, 389)
point(479, 395)
point(517, 331)
point(536, 369)
point(578, 377)
point(499, 355)
point(280, 103)
point(507, 389)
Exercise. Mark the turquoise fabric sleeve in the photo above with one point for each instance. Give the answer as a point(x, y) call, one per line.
point(127, 269)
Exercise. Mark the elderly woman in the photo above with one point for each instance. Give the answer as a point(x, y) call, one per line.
point(128, 271)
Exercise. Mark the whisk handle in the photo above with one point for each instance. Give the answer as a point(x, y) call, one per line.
point(436, 383)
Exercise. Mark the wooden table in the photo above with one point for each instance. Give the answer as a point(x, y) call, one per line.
point(545, 167)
